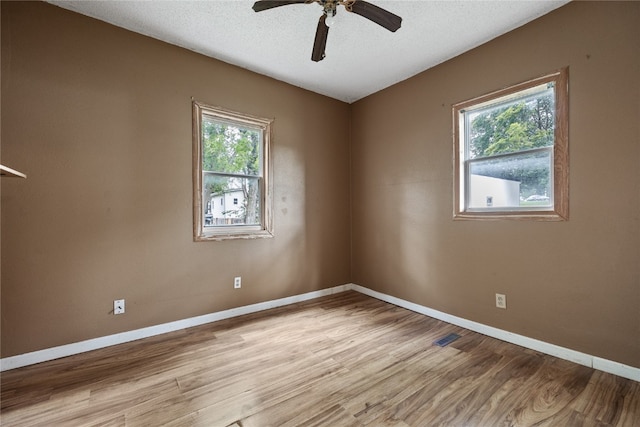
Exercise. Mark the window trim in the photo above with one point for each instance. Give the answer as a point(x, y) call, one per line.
point(265, 228)
point(560, 170)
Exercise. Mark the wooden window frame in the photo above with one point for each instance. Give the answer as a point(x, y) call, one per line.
point(265, 228)
point(560, 209)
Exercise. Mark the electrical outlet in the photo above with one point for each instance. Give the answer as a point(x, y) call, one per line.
point(237, 282)
point(118, 306)
point(501, 301)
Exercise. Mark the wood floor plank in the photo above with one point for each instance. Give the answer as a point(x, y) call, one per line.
point(558, 386)
point(610, 400)
point(340, 361)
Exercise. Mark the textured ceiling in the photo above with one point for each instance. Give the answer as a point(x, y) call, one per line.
point(362, 57)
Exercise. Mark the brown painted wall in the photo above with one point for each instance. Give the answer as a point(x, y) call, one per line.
point(574, 283)
point(99, 119)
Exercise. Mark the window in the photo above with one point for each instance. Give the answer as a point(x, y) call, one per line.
point(231, 164)
point(511, 152)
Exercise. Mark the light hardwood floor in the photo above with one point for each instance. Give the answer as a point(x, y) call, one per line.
point(343, 360)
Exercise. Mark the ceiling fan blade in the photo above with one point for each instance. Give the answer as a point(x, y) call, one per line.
point(376, 14)
point(261, 5)
point(321, 40)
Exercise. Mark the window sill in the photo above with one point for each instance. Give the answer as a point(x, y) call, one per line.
point(249, 235)
point(517, 216)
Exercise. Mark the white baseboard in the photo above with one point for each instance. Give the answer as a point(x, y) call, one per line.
point(39, 356)
point(616, 368)
point(598, 363)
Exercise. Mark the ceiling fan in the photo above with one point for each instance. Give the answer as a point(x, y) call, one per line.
point(367, 10)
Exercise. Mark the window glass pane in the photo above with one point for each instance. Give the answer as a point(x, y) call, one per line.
point(231, 175)
point(512, 181)
point(511, 152)
point(511, 125)
point(229, 148)
point(230, 200)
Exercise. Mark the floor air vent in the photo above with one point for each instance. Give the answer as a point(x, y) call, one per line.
point(446, 340)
